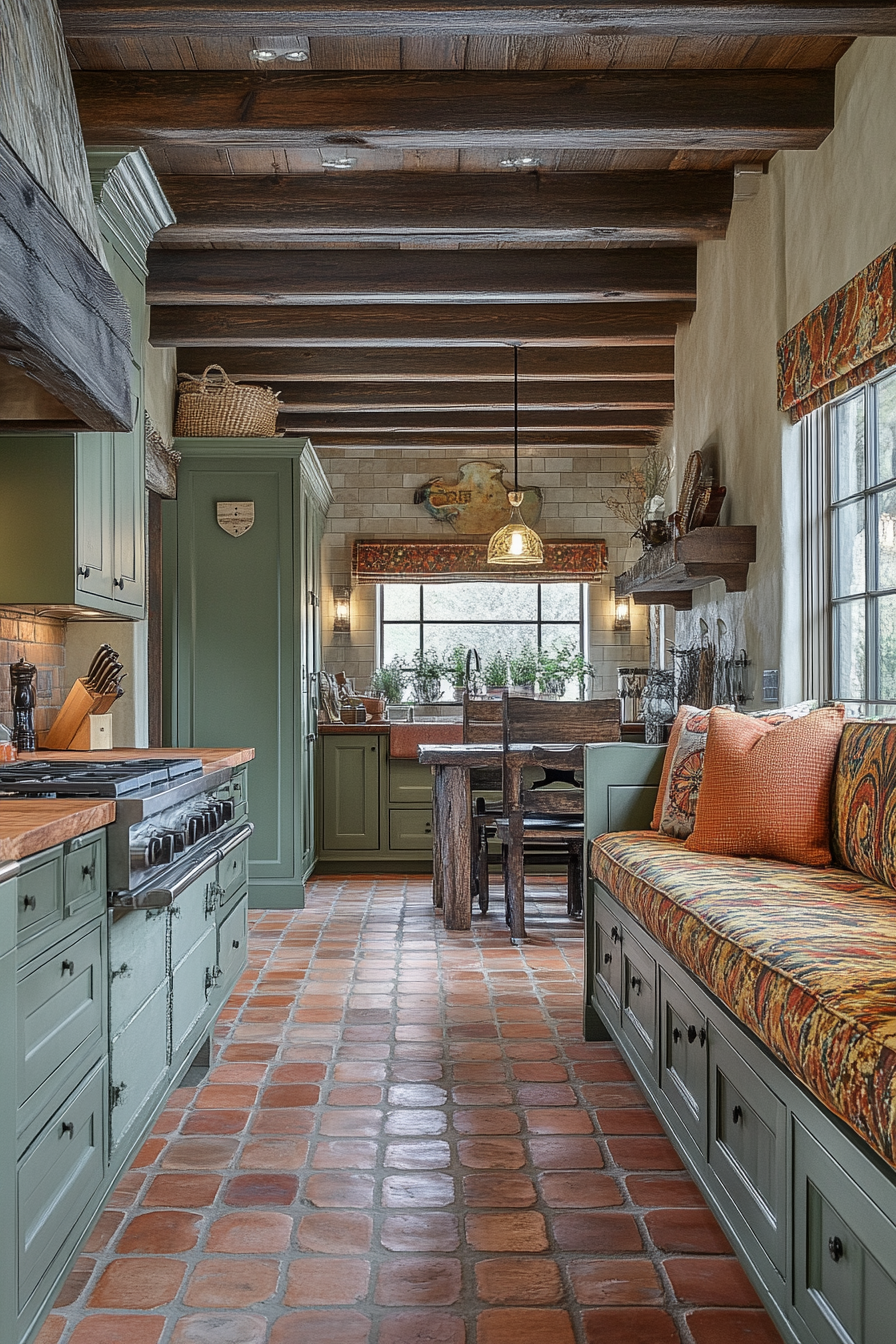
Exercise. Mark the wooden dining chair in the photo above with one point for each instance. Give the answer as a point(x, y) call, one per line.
point(550, 814)
point(483, 724)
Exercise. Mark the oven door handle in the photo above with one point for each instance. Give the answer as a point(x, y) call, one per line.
point(236, 838)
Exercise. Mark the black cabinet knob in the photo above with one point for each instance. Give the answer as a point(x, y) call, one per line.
point(737, 1115)
point(118, 583)
point(88, 870)
point(835, 1248)
point(614, 934)
point(636, 983)
point(236, 942)
point(84, 571)
point(608, 957)
point(676, 1035)
point(67, 1128)
point(68, 966)
point(692, 1035)
point(702, 1035)
point(29, 902)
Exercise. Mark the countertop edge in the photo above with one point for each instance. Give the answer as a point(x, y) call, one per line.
point(71, 819)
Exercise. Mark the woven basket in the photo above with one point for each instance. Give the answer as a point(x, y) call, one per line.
point(213, 407)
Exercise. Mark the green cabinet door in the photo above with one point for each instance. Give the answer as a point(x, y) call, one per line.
point(93, 509)
point(128, 505)
point(351, 792)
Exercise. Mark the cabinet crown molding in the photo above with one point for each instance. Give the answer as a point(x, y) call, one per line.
point(129, 199)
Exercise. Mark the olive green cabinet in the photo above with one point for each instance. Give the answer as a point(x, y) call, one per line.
point(242, 634)
point(351, 792)
point(375, 810)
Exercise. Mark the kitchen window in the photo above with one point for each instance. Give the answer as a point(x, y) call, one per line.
point(857, 435)
point(491, 617)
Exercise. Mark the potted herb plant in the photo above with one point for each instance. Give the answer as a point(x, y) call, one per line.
point(495, 673)
point(427, 670)
point(580, 668)
point(554, 670)
point(389, 683)
point(522, 666)
point(457, 670)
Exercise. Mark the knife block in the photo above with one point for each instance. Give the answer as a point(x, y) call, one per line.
point(71, 729)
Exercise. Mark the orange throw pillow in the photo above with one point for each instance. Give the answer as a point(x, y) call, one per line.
point(766, 791)
point(671, 747)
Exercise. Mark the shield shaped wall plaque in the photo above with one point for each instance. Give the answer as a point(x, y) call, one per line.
point(236, 516)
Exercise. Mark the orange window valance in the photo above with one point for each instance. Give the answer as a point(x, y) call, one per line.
point(408, 561)
point(845, 341)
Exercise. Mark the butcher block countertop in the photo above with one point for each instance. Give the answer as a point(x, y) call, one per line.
point(213, 758)
point(28, 825)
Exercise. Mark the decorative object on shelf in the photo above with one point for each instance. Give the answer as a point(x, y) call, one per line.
point(415, 561)
point(658, 704)
point(669, 574)
point(695, 679)
point(622, 612)
point(477, 502)
point(690, 489)
point(211, 407)
point(631, 682)
point(83, 720)
point(427, 670)
point(375, 705)
point(329, 697)
point(643, 498)
point(515, 543)
point(342, 610)
point(235, 516)
point(844, 342)
point(390, 683)
point(21, 680)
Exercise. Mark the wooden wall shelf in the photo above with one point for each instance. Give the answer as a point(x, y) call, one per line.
point(669, 574)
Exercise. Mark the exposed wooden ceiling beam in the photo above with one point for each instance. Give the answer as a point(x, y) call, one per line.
point(433, 325)
point(642, 275)
point(458, 364)
point(180, 18)
point(466, 422)
point(446, 208)
point(386, 398)
point(461, 109)
point(483, 442)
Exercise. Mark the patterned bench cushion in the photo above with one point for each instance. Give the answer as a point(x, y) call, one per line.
point(805, 958)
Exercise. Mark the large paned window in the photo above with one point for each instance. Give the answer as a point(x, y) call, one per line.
point(491, 617)
point(861, 433)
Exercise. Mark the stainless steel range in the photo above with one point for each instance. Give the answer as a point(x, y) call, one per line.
point(172, 821)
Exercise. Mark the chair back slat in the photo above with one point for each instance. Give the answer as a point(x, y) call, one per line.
point(482, 720)
point(559, 721)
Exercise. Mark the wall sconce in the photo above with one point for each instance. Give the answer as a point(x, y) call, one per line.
point(622, 612)
point(342, 611)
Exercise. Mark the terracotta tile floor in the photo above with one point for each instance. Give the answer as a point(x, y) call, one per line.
point(405, 1140)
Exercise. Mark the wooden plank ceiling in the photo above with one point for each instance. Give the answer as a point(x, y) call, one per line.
point(375, 202)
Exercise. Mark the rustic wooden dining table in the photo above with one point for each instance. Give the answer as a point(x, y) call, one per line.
point(451, 816)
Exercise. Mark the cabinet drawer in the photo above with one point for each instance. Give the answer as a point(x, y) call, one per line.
point(84, 877)
point(139, 1067)
point(191, 914)
point(845, 1252)
point(607, 958)
point(233, 873)
point(56, 1178)
point(409, 782)
point(137, 961)
point(233, 938)
point(410, 830)
point(235, 789)
point(748, 1145)
point(39, 901)
point(639, 998)
point(60, 1008)
point(683, 1068)
point(192, 985)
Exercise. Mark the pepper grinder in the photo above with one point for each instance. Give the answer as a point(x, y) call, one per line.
point(21, 676)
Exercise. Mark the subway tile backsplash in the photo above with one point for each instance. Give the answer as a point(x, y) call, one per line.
point(39, 640)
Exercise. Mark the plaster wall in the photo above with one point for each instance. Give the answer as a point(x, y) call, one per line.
point(374, 497)
point(817, 219)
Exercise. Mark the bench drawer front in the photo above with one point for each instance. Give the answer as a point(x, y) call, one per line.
point(409, 782)
point(233, 873)
point(60, 1007)
point(137, 951)
point(845, 1261)
point(191, 914)
point(84, 878)
point(639, 978)
point(39, 898)
point(748, 1145)
point(607, 958)
point(683, 1067)
point(410, 830)
point(139, 1063)
point(56, 1178)
point(190, 990)
point(232, 942)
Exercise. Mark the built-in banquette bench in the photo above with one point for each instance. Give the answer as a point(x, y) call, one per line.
point(755, 1002)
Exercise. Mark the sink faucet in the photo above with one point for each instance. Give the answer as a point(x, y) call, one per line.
point(473, 660)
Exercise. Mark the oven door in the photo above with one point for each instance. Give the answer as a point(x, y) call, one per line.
point(163, 890)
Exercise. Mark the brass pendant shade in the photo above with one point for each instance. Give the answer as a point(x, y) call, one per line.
point(515, 543)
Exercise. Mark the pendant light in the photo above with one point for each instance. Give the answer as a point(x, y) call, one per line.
point(515, 543)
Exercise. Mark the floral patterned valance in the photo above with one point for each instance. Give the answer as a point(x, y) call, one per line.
point(461, 561)
point(845, 341)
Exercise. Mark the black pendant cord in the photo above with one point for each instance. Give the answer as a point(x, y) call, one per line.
point(516, 419)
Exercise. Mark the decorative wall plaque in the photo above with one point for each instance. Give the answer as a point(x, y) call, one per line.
point(235, 516)
point(475, 504)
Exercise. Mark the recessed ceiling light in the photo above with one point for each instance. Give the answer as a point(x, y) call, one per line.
point(338, 163)
point(298, 55)
point(523, 161)
point(262, 54)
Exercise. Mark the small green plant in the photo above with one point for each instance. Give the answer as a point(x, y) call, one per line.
point(495, 670)
point(523, 665)
point(427, 670)
point(389, 682)
point(457, 667)
point(580, 668)
point(554, 668)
